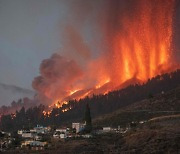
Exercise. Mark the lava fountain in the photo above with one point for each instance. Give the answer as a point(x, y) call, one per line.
point(138, 46)
point(141, 40)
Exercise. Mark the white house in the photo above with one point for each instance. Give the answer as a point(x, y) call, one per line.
point(28, 135)
point(61, 135)
point(40, 129)
point(78, 126)
point(33, 143)
point(107, 129)
point(20, 132)
point(37, 137)
point(62, 130)
point(87, 136)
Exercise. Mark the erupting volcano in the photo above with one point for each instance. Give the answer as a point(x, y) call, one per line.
point(137, 45)
point(141, 43)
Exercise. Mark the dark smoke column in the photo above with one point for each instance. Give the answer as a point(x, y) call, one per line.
point(58, 75)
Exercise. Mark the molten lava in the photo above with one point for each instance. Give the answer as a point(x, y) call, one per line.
point(138, 39)
point(141, 43)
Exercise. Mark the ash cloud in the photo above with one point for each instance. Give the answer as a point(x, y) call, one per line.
point(75, 42)
point(58, 75)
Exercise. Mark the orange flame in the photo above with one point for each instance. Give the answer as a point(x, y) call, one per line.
point(102, 83)
point(140, 48)
point(73, 91)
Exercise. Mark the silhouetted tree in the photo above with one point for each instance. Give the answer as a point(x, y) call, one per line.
point(88, 124)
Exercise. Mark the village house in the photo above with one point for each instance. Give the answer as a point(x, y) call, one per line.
point(87, 136)
point(78, 126)
point(33, 133)
point(107, 129)
point(61, 133)
point(20, 132)
point(28, 135)
point(40, 130)
point(32, 143)
point(62, 130)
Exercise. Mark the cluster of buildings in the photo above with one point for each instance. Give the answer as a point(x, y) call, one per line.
point(36, 138)
point(73, 132)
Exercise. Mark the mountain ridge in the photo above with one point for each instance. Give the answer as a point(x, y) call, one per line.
point(9, 93)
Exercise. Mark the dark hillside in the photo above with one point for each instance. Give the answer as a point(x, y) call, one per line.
point(151, 96)
point(167, 103)
point(103, 104)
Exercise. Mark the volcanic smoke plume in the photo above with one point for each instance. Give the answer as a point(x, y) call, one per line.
point(57, 77)
point(136, 43)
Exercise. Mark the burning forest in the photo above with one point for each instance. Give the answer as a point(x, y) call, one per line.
point(136, 44)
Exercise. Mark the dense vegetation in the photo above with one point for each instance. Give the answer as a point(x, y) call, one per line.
point(99, 104)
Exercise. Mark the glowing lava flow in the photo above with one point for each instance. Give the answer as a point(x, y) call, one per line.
point(138, 45)
point(73, 91)
point(102, 83)
point(56, 104)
